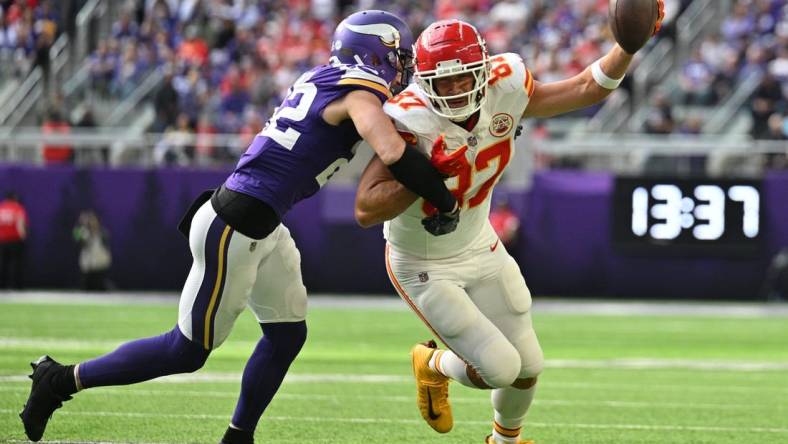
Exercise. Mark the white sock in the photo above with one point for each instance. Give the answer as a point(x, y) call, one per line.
point(76, 378)
point(510, 406)
point(447, 363)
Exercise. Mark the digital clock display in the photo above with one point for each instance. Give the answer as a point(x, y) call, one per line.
point(688, 214)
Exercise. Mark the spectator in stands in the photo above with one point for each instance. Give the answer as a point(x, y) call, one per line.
point(165, 103)
point(252, 125)
point(13, 235)
point(90, 154)
point(41, 58)
point(7, 34)
point(27, 30)
point(205, 151)
point(192, 91)
point(739, 24)
point(778, 131)
point(176, 147)
point(193, 50)
point(695, 80)
point(54, 153)
point(777, 127)
point(24, 39)
point(125, 27)
point(659, 119)
point(715, 52)
point(95, 258)
point(764, 103)
point(45, 19)
point(512, 13)
point(726, 77)
point(775, 285)
point(263, 87)
point(102, 65)
point(507, 226)
point(129, 71)
point(692, 125)
point(766, 15)
point(755, 62)
point(779, 66)
point(234, 102)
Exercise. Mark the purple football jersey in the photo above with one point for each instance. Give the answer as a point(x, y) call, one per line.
point(297, 151)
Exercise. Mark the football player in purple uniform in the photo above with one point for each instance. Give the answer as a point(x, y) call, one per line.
point(243, 255)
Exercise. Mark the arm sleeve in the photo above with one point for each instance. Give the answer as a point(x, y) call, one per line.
point(417, 174)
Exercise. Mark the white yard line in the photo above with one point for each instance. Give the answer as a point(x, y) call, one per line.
point(624, 363)
point(233, 394)
point(302, 378)
point(322, 419)
point(389, 302)
point(679, 364)
point(188, 378)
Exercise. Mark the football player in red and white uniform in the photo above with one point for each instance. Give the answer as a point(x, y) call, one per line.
point(463, 111)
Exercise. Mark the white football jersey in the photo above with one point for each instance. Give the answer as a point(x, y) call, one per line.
point(490, 148)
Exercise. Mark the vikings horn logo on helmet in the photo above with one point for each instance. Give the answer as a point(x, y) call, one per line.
point(388, 34)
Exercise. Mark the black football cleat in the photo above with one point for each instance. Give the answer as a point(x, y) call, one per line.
point(235, 436)
point(43, 400)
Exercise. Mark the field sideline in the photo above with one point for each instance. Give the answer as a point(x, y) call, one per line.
point(616, 373)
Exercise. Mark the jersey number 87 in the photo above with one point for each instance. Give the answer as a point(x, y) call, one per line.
point(502, 151)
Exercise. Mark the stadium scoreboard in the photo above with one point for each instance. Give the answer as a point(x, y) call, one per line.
point(709, 217)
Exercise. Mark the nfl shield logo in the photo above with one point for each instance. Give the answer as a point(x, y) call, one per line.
point(252, 246)
point(423, 276)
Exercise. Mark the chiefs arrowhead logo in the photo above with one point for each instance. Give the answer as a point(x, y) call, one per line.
point(501, 124)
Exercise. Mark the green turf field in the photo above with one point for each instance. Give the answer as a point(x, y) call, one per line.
point(609, 379)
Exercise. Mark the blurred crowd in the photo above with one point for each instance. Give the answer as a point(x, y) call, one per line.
point(27, 30)
point(228, 63)
point(752, 43)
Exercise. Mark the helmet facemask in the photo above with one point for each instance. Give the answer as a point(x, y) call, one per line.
point(402, 61)
point(475, 97)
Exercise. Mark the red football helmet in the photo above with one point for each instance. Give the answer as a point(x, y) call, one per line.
point(447, 48)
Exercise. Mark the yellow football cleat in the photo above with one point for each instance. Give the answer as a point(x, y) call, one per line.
point(490, 440)
point(432, 389)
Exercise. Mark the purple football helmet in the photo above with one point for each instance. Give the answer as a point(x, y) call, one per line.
point(377, 39)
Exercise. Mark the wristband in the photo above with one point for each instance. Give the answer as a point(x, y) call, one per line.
point(602, 79)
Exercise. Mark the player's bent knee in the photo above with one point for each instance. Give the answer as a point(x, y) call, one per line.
point(532, 369)
point(193, 361)
point(524, 383)
point(500, 364)
point(531, 356)
point(189, 356)
point(287, 338)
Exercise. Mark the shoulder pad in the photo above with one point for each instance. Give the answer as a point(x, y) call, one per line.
point(411, 109)
point(362, 76)
point(509, 74)
point(414, 120)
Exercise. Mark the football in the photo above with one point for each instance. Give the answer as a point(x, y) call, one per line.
point(632, 22)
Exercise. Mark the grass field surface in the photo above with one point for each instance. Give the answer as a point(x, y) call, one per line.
point(625, 378)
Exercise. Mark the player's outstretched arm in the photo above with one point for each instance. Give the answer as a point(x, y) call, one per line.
point(598, 80)
point(580, 91)
point(406, 164)
point(380, 197)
